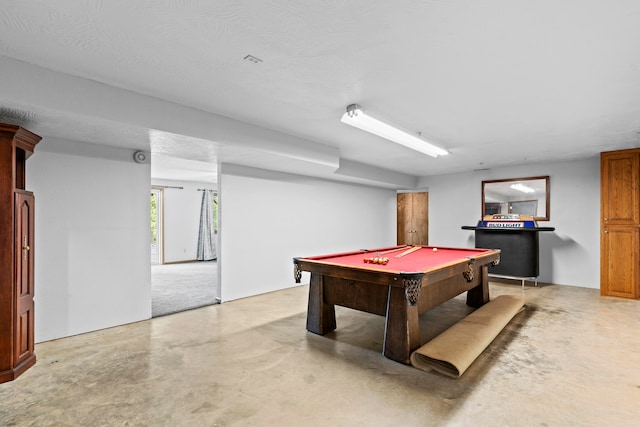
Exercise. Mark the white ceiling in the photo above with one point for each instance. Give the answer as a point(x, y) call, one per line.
point(495, 82)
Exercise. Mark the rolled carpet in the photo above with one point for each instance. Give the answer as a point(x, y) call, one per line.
point(454, 350)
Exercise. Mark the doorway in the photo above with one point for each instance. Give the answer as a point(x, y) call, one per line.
point(180, 279)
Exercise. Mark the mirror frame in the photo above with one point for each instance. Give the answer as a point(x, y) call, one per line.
point(547, 195)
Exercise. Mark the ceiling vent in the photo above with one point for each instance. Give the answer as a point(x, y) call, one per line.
point(253, 59)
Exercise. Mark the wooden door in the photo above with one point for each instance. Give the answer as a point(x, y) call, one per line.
point(620, 223)
point(24, 289)
point(413, 218)
point(620, 261)
point(403, 212)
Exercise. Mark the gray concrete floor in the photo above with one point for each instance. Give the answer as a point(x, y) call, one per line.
point(572, 358)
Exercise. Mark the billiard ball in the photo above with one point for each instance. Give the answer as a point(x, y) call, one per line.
point(435, 249)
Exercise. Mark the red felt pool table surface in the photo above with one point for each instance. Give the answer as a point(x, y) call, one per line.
point(422, 260)
point(400, 290)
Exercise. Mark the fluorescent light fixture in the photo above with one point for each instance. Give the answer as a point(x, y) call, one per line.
point(356, 117)
point(521, 187)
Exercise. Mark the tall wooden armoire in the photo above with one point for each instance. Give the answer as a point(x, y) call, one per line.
point(16, 254)
point(413, 219)
point(620, 223)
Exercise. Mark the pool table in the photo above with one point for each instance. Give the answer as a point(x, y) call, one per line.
point(414, 280)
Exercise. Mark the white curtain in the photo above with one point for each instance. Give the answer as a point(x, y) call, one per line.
point(206, 240)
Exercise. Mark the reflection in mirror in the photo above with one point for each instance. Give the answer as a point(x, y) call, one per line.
point(525, 196)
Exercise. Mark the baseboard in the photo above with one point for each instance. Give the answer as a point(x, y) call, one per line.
point(181, 262)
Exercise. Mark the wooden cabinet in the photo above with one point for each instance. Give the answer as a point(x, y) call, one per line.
point(620, 223)
point(619, 271)
point(413, 219)
point(620, 172)
point(16, 257)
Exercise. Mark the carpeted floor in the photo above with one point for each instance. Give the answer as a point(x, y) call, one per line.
point(180, 287)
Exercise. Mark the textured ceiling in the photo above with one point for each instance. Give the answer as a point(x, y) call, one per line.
point(496, 83)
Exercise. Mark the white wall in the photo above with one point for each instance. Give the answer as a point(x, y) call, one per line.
point(181, 219)
point(268, 218)
point(568, 256)
point(92, 266)
point(92, 228)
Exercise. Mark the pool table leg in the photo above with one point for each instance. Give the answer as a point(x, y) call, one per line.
point(321, 317)
point(402, 330)
point(479, 296)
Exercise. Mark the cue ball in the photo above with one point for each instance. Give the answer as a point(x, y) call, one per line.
point(435, 249)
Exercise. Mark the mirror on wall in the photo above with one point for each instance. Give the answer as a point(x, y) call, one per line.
point(525, 196)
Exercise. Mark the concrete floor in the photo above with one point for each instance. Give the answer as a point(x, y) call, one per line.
point(571, 358)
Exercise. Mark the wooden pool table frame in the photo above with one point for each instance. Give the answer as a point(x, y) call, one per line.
point(399, 296)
